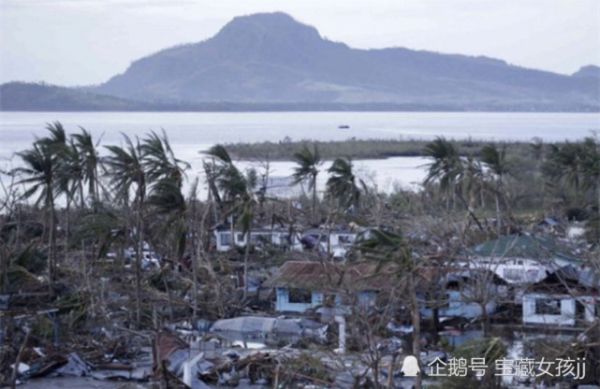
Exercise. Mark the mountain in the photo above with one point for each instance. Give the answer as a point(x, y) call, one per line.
point(270, 61)
point(23, 96)
point(590, 71)
point(272, 58)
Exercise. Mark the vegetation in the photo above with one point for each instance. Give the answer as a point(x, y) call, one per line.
point(376, 148)
point(78, 220)
point(308, 162)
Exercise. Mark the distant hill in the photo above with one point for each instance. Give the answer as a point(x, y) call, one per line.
point(272, 62)
point(22, 96)
point(589, 71)
point(273, 58)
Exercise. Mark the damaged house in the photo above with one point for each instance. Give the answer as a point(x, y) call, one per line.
point(226, 239)
point(521, 258)
point(564, 298)
point(335, 241)
point(465, 293)
point(303, 285)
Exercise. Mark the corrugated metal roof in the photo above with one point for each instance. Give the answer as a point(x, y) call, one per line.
point(523, 246)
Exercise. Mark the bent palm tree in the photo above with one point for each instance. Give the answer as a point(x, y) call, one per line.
point(39, 177)
point(125, 169)
point(40, 170)
point(495, 160)
point(238, 191)
point(90, 161)
point(342, 185)
point(448, 169)
point(307, 170)
point(159, 160)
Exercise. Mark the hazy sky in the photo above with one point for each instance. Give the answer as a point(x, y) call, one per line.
point(76, 42)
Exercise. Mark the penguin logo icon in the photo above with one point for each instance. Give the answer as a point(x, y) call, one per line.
point(410, 366)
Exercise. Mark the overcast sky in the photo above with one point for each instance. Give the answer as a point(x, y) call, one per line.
point(78, 42)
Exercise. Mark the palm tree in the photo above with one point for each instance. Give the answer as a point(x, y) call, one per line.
point(386, 247)
point(69, 178)
point(90, 162)
point(495, 161)
point(564, 163)
point(169, 204)
point(71, 175)
point(342, 184)
point(165, 176)
point(474, 181)
point(41, 165)
point(238, 191)
point(448, 169)
point(39, 176)
point(126, 169)
point(307, 170)
point(447, 166)
point(160, 162)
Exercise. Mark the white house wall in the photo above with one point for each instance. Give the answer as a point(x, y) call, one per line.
point(512, 270)
point(565, 318)
point(276, 238)
point(283, 304)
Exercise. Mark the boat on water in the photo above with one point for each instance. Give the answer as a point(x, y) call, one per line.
point(343, 126)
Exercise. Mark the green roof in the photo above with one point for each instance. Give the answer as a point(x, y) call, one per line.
point(523, 246)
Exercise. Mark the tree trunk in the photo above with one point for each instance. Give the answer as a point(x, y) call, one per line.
point(81, 195)
point(67, 226)
point(498, 212)
point(470, 212)
point(482, 197)
point(86, 278)
point(51, 241)
point(435, 324)
point(196, 247)
point(314, 200)
point(94, 190)
point(390, 383)
point(416, 322)
point(246, 255)
point(485, 325)
point(138, 268)
point(232, 232)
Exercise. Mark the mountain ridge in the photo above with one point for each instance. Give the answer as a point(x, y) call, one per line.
point(270, 59)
